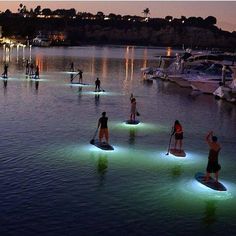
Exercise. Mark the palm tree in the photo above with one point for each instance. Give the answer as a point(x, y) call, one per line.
point(146, 12)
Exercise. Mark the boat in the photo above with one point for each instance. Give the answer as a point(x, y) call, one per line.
point(41, 41)
point(209, 81)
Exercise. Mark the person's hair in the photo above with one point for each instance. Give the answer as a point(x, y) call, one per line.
point(177, 122)
point(104, 113)
point(214, 139)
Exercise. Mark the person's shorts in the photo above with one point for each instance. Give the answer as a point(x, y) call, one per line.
point(103, 132)
point(179, 136)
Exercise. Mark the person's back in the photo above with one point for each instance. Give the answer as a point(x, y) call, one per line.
point(178, 128)
point(102, 123)
point(214, 149)
point(97, 82)
point(178, 132)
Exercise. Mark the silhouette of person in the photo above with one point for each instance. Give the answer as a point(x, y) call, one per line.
point(97, 85)
point(5, 71)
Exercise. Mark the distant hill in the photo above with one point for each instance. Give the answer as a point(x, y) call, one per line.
point(194, 32)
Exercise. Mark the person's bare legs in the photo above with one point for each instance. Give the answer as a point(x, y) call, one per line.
point(207, 176)
point(216, 176)
point(176, 141)
point(180, 145)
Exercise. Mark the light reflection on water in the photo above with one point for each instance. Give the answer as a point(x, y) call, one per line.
point(51, 175)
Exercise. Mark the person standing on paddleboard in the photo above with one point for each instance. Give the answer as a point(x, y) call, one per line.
point(133, 108)
point(212, 165)
point(37, 72)
point(72, 69)
point(5, 71)
point(178, 132)
point(102, 123)
point(80, 76)
point(97, 85)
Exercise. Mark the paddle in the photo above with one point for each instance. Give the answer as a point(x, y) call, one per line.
point(169, 142)
point(102, 89)
point(92, 140)
point(73, 77)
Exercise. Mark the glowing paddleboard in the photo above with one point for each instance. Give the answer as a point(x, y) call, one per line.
point(132, 122)
point(103, 145)
point(177, 152)
point(77, 83)
point(200, 177)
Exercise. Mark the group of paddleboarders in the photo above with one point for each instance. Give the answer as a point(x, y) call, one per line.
point(214, 147)
point(80, 73)
point(29, 69)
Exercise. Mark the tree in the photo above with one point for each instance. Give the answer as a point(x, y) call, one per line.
point(37, 10)
point(183, 19)
point(47, 12)
point(100, 15)
point(146, 12)
point(210, 20)
point(169, 18)
point(8, 12)
point(22, 9)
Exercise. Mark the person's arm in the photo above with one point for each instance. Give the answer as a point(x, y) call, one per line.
point(173, 130)
point(208, 138)
point(99, 123)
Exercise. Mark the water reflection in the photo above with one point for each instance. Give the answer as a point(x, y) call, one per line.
point(36, 85)
point(102, 167)
point(210, 213)
point(146, 81)
point(97, 99)
point(132, 133)
point(5, 83)
point(176, 171)
point(80, 92)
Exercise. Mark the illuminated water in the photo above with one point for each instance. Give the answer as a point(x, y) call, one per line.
point(53, 182)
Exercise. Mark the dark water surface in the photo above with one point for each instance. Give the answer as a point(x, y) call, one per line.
point(53, 182)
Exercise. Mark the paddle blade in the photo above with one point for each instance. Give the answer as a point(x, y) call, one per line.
point(137, 113)
point(92, 141)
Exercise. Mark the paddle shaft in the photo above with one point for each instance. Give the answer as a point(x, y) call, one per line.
point(169, 142)
point(92, 140)
point(75, 76)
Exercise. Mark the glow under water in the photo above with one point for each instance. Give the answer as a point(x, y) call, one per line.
point(53, 182)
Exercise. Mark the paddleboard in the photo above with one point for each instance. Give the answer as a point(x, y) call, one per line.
point(132, 122)
point(177, 152)
point(200, 177)
point(79, 83)
point(103, 145)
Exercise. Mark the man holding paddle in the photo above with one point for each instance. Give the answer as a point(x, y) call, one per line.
point(212, 165)
point(97, 85)
point(102, 123)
